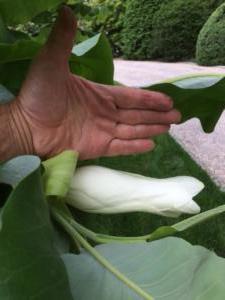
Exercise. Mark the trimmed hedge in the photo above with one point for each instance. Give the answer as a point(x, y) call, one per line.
point(211, 41)
point(175, 28)
point(166, 30)
point(137, 33)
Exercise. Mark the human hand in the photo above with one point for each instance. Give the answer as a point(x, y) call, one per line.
point(64, 111)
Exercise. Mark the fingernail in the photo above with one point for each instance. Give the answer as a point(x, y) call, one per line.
point(169, 102)
point(178, 118)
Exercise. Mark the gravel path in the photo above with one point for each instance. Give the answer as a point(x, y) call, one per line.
point(208, 150)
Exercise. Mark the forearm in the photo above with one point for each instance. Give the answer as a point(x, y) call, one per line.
point(15, 136)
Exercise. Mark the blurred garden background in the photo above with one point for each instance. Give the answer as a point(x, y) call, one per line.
point(151, 40)
point(168, 30)
point(162, 30)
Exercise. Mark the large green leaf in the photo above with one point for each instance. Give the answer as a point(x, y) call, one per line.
point(93, 60)
point(30, 267)
point(13, 74)
point(196, 80)
point(20, 11)
point(197, 96)
point(14, 170)
point(5, 34)
point(20, 50)
point(5, 95)
point(169, 269)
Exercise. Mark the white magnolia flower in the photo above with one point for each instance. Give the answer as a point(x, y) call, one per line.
point(101, 190)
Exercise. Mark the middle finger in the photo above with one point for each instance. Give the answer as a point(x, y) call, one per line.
point(134, 116)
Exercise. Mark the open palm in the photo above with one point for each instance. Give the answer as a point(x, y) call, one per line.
point(65, 111)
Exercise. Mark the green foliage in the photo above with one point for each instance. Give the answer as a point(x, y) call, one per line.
point(30, 266)
point(92, 59)
point(175, 28)
point(210, 46)
point(165, 30)
point(5, 35)
point(169, 269)
point(105, 16)
point(210, 99)
point(34, 26)
point(137, 33)
point(21, 11)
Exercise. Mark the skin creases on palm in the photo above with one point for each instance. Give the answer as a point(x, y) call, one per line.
point(64, 111)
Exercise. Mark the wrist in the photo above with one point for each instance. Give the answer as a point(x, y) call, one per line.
point(15, 135)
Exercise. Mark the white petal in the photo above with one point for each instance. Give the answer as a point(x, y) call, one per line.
point(191, 185)
point(102, 190)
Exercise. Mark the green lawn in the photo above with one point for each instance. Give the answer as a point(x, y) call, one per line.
point(168, 159)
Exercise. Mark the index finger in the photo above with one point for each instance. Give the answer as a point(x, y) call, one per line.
point(132, 98)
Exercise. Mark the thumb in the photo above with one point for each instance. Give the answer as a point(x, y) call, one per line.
point(61, 38)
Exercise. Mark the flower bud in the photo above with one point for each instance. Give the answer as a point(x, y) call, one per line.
point(97, 189)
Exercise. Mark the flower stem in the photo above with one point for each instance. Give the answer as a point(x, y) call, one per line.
point(103, 238)
point(60, 217)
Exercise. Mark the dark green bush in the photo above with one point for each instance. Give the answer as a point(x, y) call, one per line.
point(137, 33)
point(211, 41)
point(175, 28)
point(167, 30)
point(107, 16)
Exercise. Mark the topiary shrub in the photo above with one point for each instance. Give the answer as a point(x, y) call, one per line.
point(175, 28)
point(137, 30)
point(211, 41)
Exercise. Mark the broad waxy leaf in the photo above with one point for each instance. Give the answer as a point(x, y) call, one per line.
point(30, 267)
point(13, 74)
point(196, 81)
point(92, 59)
point(20, 50)
point(5, 35)
point(14, 170)
point(169, 269)
point(5, 95)
point(197, 97)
